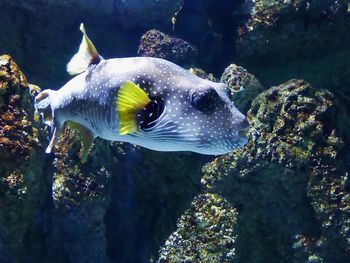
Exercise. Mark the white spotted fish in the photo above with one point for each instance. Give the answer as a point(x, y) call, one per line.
point(147, 101)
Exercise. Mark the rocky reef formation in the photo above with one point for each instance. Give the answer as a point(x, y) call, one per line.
point(81, 194)
point(24, 188)
point(245, 86)
point(206, 233)
point(287, 188)
point(157, 44)
point(279, 40)
point(306, 29)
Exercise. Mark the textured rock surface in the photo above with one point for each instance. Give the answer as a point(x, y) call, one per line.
point(81, 195)
point(157, 44)
point(245, 86)
point(202, 74)
point(286, 191)
point(205, 233)
point(290, 180)
point(292, 28)
point(23, 187)
point(279, 40)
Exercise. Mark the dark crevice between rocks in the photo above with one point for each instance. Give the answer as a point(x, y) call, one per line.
point(146, 203)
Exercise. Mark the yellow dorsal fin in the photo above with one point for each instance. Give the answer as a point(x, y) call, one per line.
point(131, 99)
point(86, 137)
point(86, 55)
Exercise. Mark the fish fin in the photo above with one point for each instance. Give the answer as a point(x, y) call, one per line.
point(131, 99)
point(56, 131)
point(86, 137)
point(86, 55)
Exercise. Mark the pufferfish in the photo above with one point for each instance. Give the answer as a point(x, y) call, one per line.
point(146, 101)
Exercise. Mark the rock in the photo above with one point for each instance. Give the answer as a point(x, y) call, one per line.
point(289, 181)
point(202, 74)
point(81, 194)
point(290, 28)
point(279, 40)
point(205, 233)
point(23, 184)
point(146, 13)
point(245, 86)
point(157, 44)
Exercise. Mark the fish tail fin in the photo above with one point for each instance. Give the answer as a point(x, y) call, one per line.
point(86, 55)
point(43, 107)
point(56, 131)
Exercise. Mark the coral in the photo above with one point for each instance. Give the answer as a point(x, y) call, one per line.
point(23, 186)
point(205, 233)
point(289, 180)
point(245, 86)
point(157, 44)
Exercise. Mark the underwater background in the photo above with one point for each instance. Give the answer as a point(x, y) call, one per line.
point(283, 197)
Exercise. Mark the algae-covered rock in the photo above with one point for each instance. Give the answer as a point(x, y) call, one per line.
point(205, 233)
point(245, 86)
point(202, 74)
point(157, 44)
point(23, 184)
point(120, 189)
point(81, 194)
point(289, 181)
point(279, 40)
point(292, 28)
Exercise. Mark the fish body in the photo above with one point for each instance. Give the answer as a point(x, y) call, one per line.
point(147, 101)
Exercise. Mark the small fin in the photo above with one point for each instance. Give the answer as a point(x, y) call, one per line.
point(56, 131)
point(86, 55)
point(131, 99)
point(86, 138)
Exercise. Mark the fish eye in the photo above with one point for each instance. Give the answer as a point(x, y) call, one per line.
point(203, 100)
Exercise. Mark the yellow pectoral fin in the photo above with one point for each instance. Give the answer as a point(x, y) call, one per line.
point(131, 99)
point(86, 137)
